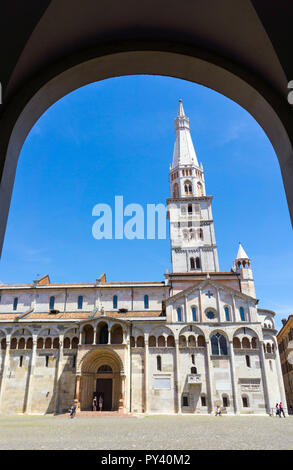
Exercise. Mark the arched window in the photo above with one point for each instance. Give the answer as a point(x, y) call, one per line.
point(199, 189)
point(197, 262)
point(179, 314)
point(245, 402)
point(193, 310)
point(192, 263)
point(21, 343)
point(66, 343)
point(225, 400)
point(79, 302)
point(74, 342)
point(200, 234)
point(192, 359)
point(242, 314)
point(236, 343)
point(247, 359)
point(159, 363)
point(245, 343)
point(56, 343)
point(175, 190)
point(115, 301)
point(146, 301)
point(48, 343)
point(254, 343)
point(171, 341)
point(188, 187)
point(52, 302)
point(132, 341)
point(40, 343)
point(152, 341)
point(140, 342)
point(161, 342)
point(105, 369)
point(15, 302)
point(189, 208)
point(191, 341)
point(203, 400)
point(219, 345)
point(116, 335)
point(201, 341)
point(193, 370)
point(227, 313)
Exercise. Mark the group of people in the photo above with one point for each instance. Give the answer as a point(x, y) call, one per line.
point(280, 410)
point(96, 403)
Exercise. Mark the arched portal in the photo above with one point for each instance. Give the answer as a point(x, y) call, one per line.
point(102, 375)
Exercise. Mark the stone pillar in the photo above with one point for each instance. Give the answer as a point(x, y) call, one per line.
point(5, 371)
point(58, 374)
point(209, 375)
point(177, 376)
point(219, 307)
point(186, 309)
point(146, 373)
point(233, 309)
point(77, 391)
point(233, 379)
point(280, 377)
point(264, 377)
point(31, 377)
point(95, 335)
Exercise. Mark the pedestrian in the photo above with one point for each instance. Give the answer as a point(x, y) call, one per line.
point(101, 402)
point(72, 410)
point(218, 411)
point(94, 406)
point(277, 410)
point(281, 409)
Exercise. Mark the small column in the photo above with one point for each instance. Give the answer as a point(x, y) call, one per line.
point(177, 376)
point(77, 391)
point(146, 372)
point(200, 306)
point(186, 309)
point(233, 308)
point(5, 370)
point(210, 375)
point(109, 335)
point(219, 306)
point(264, 377)
point(233, 380)
point(28, 408)
point(95, 335)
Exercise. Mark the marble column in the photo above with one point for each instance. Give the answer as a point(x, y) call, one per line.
point(200, 306)
point(209, 374)
point(264, 377)
point(280, 377)
point(77, 391)
point(31, 377)
point(177, 376)
point(233, 379)
point(146, 373)
point(5, 371)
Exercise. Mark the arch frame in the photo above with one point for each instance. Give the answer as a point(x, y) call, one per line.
point(180, 60)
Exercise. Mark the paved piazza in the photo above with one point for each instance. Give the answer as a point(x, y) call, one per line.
point(151, 432)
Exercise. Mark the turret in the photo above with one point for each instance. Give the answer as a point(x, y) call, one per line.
point(242, 265)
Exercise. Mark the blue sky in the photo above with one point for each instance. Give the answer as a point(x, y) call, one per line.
point(116, 137)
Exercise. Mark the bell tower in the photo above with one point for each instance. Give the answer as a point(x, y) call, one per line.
point(242, 266)
point(193, 243)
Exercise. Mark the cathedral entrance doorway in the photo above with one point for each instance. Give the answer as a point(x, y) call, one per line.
point(101, 375)
point(104, 390)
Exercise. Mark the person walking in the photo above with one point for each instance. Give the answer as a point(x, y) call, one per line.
point(94, 406)
point(281, 410)
point(101, 403)
point(72, 410)
point(277, 410)
point(218, 411)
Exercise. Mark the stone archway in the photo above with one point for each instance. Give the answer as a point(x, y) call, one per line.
point(102, 374)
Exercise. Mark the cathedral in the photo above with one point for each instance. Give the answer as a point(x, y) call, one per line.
point(188, 344)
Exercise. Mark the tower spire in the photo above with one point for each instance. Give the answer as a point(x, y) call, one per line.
point(184, 153)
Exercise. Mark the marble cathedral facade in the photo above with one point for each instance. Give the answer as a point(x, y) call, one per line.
point(192, 342)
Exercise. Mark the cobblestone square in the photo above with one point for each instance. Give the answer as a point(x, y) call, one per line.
point(150, 432)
